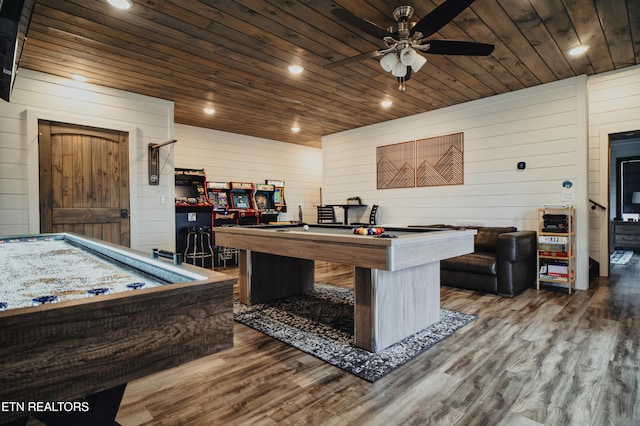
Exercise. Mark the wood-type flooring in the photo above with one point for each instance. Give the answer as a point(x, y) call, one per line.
point(541, 358)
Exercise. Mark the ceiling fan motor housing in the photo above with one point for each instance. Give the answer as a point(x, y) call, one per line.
point(403, 13)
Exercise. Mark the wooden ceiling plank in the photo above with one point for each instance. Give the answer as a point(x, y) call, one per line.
point(615, 24)
point(564, 35)
point(321, 101)
point(232, 55)
point(502, 63)
point(633, 7)
point(537, 22)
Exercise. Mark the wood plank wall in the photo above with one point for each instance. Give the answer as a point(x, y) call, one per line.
point(233, 157)
point(540, 126)
point(54, 98)
point(614, 106)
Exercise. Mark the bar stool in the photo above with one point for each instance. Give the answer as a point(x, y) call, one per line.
point(198, 245)
point(227, 253)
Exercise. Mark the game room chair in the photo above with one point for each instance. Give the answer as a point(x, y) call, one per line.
point(372, 217)
point(326, 214)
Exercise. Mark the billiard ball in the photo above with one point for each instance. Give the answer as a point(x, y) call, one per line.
point(305, 227)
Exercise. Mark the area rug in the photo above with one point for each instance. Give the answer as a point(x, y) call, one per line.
point(320, 323)
point(621, 257)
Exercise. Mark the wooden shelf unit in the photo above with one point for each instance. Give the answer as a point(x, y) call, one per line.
point(556, 247)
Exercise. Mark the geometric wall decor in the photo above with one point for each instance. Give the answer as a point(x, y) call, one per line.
point(440, 160)
point(395, 165)
point(425, 162)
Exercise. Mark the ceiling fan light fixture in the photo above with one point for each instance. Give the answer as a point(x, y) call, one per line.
point(578, 50)
point(389, 61)
point(399, 70)
point(408, 55)
point(418, 63)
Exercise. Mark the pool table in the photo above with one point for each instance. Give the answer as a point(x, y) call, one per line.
point(86, 348)
point(397, 274)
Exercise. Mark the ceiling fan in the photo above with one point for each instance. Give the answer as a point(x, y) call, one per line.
point(405, 39)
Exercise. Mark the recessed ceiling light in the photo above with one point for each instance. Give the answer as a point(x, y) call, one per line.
point(386, 104)
point(78, 77)
point(209, 111)
point(121, 4)
point(295, 129)
point(578, 50)
point(295, 69)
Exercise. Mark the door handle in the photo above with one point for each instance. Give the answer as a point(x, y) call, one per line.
point(124, 214)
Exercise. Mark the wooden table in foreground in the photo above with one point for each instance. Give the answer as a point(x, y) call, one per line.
point(69, 362)
point(397, 280)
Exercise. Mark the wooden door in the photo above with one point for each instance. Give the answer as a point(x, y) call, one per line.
point(84, 181)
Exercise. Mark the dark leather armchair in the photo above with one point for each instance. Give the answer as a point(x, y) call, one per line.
point(504, 262)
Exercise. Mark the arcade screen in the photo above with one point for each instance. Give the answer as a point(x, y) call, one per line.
point(186, 191)
point(277, 197)
point(262, 201)
point(241, 201)
point(219, 199)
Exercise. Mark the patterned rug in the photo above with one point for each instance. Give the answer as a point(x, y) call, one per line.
point(320, 323)
point(621, 257)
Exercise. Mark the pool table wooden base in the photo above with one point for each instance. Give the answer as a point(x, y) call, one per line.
point(388, 305)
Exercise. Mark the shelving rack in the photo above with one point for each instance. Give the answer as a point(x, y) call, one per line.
point(556, 247)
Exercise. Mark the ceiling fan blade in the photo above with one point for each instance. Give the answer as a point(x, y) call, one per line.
point(455, 47)
point(440, 16)
point(356, 58)
point(362, 24)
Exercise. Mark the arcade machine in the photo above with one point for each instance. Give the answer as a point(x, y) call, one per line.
point(265, 202)
point(193, 217)
point(242, 201)
point(220, 196)
point(278, 195)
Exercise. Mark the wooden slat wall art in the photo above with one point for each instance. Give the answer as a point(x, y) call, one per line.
point(432, 161)
point(395, 165)
point(440, 160)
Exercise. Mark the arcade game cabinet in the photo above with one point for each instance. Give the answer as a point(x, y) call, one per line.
point(242, 201)
point(193, 217)
point(278, 194)
point(265, 203)
point(220, 196)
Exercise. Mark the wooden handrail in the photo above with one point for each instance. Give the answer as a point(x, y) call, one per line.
point(593, 207)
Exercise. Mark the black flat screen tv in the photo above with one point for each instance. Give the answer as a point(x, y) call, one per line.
point(10, 13)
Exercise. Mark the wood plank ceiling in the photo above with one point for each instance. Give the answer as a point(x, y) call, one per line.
point(233, 56)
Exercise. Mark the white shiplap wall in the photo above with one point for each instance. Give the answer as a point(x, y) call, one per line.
point(614, 107)
point(42, 96)
point(230, 157)
point(544, 126)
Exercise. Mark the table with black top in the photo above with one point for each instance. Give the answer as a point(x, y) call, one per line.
point(345, 208)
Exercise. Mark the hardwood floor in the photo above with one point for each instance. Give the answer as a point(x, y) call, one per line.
point(543, 357)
